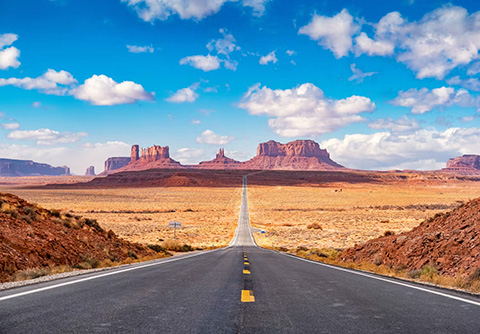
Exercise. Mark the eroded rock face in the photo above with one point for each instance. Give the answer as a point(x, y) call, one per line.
point(298, 154)
point(450, 242)
point(465, 162)
point(151, 157)
point(90, 171)
point(135, 155)
point(220, 162)
point(12, 167)
point(114, 163)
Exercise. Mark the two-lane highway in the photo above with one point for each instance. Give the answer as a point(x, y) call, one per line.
point(238, 289)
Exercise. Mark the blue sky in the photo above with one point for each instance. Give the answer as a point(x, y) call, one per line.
point(381, 85)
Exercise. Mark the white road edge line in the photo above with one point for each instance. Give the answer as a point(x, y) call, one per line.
point(113, 272)
point(384, 279)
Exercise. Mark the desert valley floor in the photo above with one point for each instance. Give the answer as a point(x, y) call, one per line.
point(338, 215)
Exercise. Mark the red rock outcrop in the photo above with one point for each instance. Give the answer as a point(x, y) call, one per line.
point(450, 242)
point(90, 171)
point(135, 154)
point(466, 164)
point(12, 167)
point(115, 163)
point(151, 157)
point(296, 155)
point(220, 162)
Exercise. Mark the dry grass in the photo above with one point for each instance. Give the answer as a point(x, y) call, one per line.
point(358, 213)
point(208, 215)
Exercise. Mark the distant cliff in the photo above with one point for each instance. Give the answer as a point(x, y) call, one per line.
point(112, 164)
point(296, 155)
point(468, 163)
point(12, 167)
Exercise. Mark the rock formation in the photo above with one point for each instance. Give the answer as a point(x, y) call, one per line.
point(151, 157)
point(12, 167)
point(468, 163)
point(296, 155)
point(220, 162)
point(134, 155)
point(447, 241)
point(90, 171)
point(115, 163)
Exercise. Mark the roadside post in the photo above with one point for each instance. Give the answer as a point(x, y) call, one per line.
point(175, 225)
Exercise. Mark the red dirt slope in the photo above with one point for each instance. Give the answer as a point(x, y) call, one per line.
point(450, 242)
point(32, 237)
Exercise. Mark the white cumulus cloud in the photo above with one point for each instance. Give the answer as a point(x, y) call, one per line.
point(51, 82)
point(423, 100)
point(423, 149)
point(187, 94)
point(402, 124)
point(269, 58)
point(304, 110)
point(189, 156)
point(10, 126)
point(333, 33)
point(8, 56)
point(46, 136)
point(151, 10)
point(211, 138)
point(104, 91)
point(205, 63)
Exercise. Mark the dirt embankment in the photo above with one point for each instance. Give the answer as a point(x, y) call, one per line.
point(33, 237)
point(450, 242)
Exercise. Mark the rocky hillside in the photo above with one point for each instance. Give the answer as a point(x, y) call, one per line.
point(32, 237)
point(450, 242)
point(12, 167)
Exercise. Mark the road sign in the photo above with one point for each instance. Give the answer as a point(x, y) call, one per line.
point(175, 224)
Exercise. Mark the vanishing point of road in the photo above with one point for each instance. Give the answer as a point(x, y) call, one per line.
point(238, 289)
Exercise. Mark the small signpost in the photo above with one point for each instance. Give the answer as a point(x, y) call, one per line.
point(175, 225)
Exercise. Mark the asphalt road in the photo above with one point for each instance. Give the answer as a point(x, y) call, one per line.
point(238, 289)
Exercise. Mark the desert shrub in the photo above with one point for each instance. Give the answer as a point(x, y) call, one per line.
point(12, 212)
point(176, 246)
point(27, 219)
point(31, 211)
point(302, 248)
point(387, 233)
point(93, 224)
point(30, 273)
point(157, 248)
point(132, 255)
point(88, 262)
point(475, 276)
point(314, 226)
point(427, 272)
point(55, 213)
point(111, 234)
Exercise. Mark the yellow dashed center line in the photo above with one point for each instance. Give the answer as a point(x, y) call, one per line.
point(247, 296)
point(246, 263)
point(246, 272)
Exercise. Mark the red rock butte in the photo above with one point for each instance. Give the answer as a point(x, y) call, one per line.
point(296, 155)
point(150, 158)
point(468, 164)
point(220, 162)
